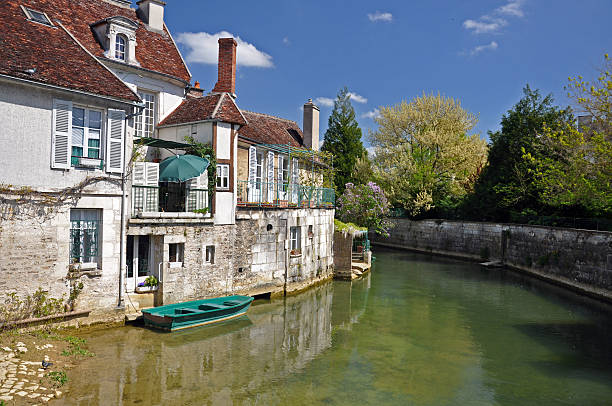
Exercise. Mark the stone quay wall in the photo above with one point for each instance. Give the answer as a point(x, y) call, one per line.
point(579, 259)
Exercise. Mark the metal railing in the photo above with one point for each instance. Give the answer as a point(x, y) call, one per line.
point(278, 194)
point(154, 199)
point(84, 236)
point(361, 244)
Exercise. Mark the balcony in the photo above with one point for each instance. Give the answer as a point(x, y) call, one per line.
point(284, 195)
point(169, 199)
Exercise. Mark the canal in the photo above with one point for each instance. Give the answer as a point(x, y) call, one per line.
point(417, 331)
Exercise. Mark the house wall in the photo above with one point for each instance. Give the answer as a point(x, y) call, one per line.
point(25, 139)
point(250, 258)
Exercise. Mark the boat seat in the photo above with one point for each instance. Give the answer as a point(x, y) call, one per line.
point(231, 303)
point(210, 306)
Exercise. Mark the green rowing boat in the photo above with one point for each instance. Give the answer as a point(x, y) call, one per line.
point(196, 313)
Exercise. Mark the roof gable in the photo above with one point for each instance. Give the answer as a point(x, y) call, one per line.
point(216, 106)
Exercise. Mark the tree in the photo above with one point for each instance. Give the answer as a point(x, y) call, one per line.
point(576, 176)
point(508, 182)
point(343, 139)
point(365, 206)
point(424, 155)
point(362, 171)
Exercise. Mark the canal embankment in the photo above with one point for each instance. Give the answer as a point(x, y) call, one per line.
point(577, 259)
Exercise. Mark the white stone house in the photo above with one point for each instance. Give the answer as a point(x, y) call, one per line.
point(80, 82)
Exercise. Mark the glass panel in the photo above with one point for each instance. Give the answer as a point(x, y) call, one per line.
point(77, 136)
point(77, 151)
point(95, 119)
point(78, 117)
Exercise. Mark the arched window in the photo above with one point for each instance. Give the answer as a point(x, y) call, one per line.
point(120, 44)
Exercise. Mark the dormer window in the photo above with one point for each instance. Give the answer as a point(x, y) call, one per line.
point(120, 47)
point(37, 16)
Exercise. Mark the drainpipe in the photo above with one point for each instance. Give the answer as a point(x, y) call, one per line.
point(122, 239)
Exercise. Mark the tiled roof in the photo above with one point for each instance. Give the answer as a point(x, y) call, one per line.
point(266, 129)
point(51, 55)
point(154, 51)
point(217, 106)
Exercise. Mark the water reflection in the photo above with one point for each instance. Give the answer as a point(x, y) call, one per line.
point(218, 364)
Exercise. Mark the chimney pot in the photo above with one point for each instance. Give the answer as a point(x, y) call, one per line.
point(226, 81)
point(197, 85)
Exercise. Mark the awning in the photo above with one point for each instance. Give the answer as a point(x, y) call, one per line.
point(158, 143)
point(181, 168)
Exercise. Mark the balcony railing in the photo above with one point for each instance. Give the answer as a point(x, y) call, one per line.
point(277, 194)
point(168, 199)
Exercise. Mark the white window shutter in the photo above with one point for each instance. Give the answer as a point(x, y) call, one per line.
point(61, 136)
point(294, 180)
point(270, 180)
point(114, 141)
point(152, 174)
point(252, 163)
point(139, 174)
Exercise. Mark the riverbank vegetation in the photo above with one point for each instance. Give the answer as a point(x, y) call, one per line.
point(546, 165)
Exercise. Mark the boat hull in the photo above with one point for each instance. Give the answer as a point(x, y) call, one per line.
point(196, 313)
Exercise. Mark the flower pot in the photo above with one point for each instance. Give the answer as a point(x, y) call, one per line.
point(146, 289)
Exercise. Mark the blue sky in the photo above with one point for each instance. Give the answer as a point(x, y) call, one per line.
point(479, 51)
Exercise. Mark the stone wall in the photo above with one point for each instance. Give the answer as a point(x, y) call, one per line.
point(250, 256)
point(581, 259)
point(343, 247)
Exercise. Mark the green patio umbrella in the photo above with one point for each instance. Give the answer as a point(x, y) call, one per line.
point(181, 168)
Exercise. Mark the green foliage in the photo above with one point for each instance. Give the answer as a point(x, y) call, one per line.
point(424, 155)
point(347, 227)
point(39, 304)
point(343, 139)
point(75, 347)
point(363, 171)
point(202, 211)
point(151, 281)
point(366, 206)
point(508, 182)
point(58, 378)
point(577, 174)
point(205, 151)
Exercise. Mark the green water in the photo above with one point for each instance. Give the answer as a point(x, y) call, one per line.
point(417, 331)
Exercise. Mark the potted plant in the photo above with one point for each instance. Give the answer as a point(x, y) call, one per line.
point(150, 284)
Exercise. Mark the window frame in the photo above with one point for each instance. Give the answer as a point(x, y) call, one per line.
point(209, 259)
point(295, 239)
point(121, 55)
point(222, 177)
point(140, 125)
point(87, 129)
point(95, 261)
point(29, 12)
point(179, 254)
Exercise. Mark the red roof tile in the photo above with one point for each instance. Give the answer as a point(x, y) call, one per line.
point(154, 51)
point(56, 57)
point(218, 106)
point(266, 129)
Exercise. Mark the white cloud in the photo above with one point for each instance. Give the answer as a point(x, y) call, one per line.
point(286, 41)
point(371, 151)
point(481, 27)
point(357, 98)
point(371, 114)
point(494, 22)
point(378, 16)
point(481, 48)
point(203, 47)
point(325, 101)
point(513, 8)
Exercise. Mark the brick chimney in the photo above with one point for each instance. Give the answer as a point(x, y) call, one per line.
point(152, 13)
point(311, 125)
point(227, 66)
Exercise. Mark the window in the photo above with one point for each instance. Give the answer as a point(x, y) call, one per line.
point(210, 254)
point(85, 236)
point(120, 43)
point(222, 176)
point(310, 231)
point(194, 130)
point(38, 17)
point(86, 134)
point(295, 239)
point(145, 121)
point(176, 252)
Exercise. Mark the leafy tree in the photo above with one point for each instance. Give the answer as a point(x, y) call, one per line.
point(365, 206)
point(363, 172)
point(577, 174)
point(508, 183)
point(424, 155)
point(343, 139)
